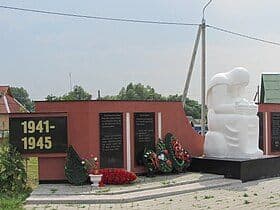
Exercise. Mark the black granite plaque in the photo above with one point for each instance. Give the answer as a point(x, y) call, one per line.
point(111, 140)
point(35, 135)
point(144, 130)
point(260, 115)
point(275, 131)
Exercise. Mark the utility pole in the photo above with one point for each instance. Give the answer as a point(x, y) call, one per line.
point(70, 82)
point(203, 76)
point(98, 95)
point(203, 69)
point(187, 84)
point(257, 95)
point(202, 32)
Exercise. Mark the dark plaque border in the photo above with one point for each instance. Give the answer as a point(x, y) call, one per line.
point(275, 131)
point(144, 132)
point(58, 134)
point(111, 152)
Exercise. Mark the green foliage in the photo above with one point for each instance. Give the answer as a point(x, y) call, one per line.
point(12, 202)
point(165, 164)
point(181, 160)
point(169, 156)
point(13, 176)
point(22, 96)
point(75, 171)
point(78, 93)
point(135, 92)
point(193, 108)
point(141, 92)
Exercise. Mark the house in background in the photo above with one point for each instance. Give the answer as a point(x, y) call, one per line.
point(8, 105)
point(269, 113)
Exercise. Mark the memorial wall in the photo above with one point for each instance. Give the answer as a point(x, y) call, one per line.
point(117, 132)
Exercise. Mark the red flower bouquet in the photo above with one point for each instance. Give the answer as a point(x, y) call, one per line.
point(117, 176)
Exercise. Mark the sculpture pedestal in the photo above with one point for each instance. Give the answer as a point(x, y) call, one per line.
point(243, 169)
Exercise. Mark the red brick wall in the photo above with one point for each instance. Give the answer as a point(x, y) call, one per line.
point(83, 128)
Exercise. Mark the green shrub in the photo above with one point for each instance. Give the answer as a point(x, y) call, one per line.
point(13, 176)
point(12, 203)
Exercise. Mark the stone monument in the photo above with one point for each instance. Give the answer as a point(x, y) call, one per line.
point(232, 120)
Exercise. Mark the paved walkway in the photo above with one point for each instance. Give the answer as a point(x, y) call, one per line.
point(262, 194)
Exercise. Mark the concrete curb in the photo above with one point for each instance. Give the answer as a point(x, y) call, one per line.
point(131, 197)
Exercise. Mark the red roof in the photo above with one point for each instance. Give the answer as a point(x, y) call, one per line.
point(8, 104)
point(5, 90)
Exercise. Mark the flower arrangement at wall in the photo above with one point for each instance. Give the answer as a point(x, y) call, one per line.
point(165, 164)
point(91, 164)
point(117, 176)
point(78, 171)
point(170, 156)
point(151, 162)
point(179, 156)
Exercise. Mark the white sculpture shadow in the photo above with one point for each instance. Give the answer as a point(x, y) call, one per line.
point(232, 120)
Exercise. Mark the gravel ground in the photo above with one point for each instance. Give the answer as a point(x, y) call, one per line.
point(262, 194)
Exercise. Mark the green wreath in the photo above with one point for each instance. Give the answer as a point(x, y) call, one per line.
point(165, 164)
point(150, 161)
point(178, 155)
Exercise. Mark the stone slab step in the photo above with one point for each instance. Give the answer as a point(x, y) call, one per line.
point(67, 189)
point(130, 197)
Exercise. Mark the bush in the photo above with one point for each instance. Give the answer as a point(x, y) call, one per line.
point(117, 176)
point(13, 176)
point(12, 203)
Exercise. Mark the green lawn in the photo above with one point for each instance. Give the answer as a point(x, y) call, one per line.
point(16, 202)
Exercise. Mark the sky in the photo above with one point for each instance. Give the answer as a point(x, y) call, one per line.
point(39, 51)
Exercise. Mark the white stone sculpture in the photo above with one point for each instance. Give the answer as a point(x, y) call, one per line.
point(232, 120)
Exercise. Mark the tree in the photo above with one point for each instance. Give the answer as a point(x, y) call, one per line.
point(141, 92)
point(78, 93)
point(136, 92)
point(52, 98)
point(20, 94)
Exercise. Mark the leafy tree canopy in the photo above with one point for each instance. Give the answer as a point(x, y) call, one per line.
point(135, 92)
point(141, 92)
point(78, 93)
point(22, 96)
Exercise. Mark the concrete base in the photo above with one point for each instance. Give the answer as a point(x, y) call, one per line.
point(160, 187)
point(243, 169)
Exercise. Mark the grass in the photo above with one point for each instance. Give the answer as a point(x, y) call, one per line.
point(16, 202)
point(246, 202)
point(208, 196)
point(245, 195)
point(102, 190)
point(53, 190)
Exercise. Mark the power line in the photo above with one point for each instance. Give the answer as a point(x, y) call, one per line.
point(138, 21)
point(99, 17)
point(243, 35)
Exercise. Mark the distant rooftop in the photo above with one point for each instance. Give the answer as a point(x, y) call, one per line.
point(8, 104)
point(270, 88)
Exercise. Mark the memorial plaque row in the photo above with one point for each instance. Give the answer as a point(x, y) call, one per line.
point(111, 140)
point(275, 131)
point(144, 130)
point(111, 137)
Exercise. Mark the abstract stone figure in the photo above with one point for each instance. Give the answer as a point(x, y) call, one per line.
point(232, 120)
